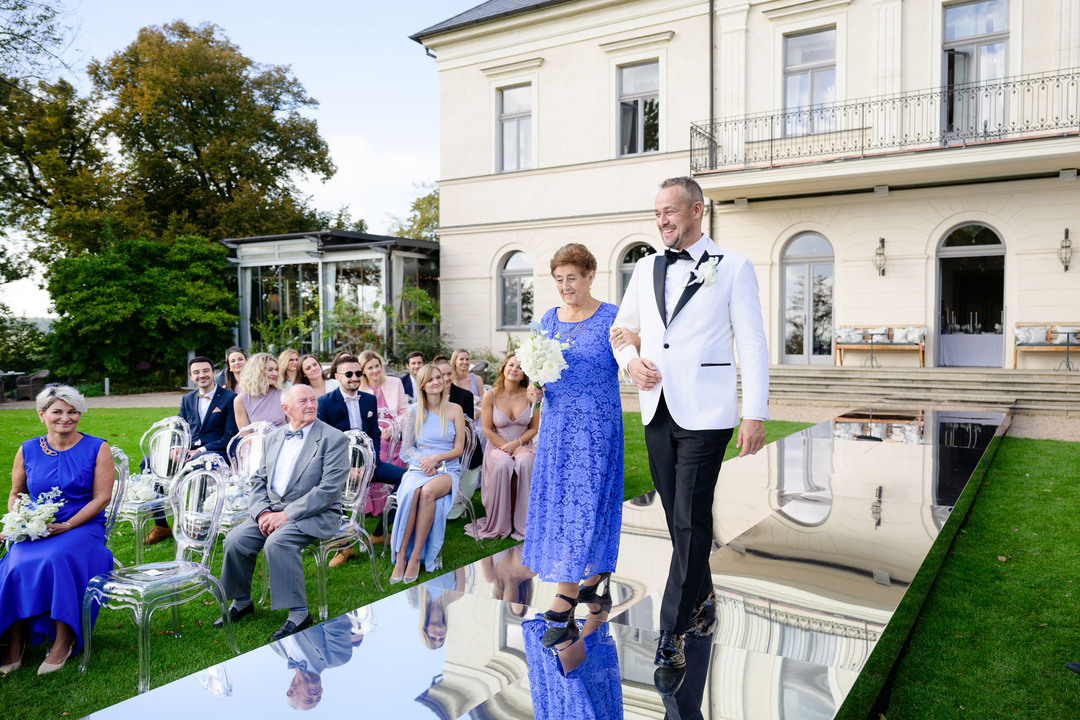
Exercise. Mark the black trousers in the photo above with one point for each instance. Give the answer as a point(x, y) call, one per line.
point(685, 465)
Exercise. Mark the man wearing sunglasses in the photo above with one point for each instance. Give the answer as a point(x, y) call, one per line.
point(349, 409)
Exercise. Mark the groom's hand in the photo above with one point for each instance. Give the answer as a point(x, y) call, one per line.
point(751, 437)
point(643, 373)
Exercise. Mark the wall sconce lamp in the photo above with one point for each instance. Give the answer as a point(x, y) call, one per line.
point(1065, 251)
point(879, 257)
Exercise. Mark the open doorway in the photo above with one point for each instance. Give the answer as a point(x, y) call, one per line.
point(971, 292)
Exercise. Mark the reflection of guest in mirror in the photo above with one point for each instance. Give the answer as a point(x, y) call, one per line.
point(685, 704)
point(326, 645)
point(432, 598)
point(512, 580)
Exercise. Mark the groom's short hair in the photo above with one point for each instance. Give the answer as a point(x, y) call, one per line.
point(689, 186)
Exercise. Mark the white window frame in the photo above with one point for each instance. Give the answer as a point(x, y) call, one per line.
point(502, 273)
point(650, 49)
point(1014, 51)
point(800, 27)
point(812, 128)
point(505, 81)
point(623, 97)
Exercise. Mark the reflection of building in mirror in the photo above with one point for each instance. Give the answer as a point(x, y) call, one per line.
point(893, 426)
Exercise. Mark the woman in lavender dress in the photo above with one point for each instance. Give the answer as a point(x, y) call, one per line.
point(258, 394)
point(575, 502)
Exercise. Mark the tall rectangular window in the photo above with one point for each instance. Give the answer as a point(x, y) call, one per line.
point(639, 108)
point(976, 37)
point(809, 82)
point(515, 128)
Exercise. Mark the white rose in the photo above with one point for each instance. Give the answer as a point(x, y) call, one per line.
point(36, 528)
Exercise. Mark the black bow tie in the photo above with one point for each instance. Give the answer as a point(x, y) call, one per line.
point(671, 256)
point(294, 433)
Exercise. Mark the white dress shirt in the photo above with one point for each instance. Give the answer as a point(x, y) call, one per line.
point(204, 402)
point(678, 275)
point(352, 404)
point(286, 461)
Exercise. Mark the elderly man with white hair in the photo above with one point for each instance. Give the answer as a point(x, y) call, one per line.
point(295, 500)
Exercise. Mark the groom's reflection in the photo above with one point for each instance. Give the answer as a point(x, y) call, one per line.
point(685, 704)
point(327, 645)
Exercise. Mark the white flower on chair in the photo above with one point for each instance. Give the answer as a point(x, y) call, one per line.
point(704, 273)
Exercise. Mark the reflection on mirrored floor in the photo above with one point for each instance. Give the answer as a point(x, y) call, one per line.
point(816, 541)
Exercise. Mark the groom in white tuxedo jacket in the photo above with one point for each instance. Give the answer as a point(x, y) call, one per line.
point(690, 306)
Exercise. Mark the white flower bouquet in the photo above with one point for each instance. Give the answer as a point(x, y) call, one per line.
point(236, 498)
point(141, 488)
point(541, 357)
point(29, 520)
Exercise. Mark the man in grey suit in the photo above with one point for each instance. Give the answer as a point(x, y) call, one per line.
point(295, 500)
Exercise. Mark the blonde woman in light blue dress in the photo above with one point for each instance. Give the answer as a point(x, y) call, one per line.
point(432, 446)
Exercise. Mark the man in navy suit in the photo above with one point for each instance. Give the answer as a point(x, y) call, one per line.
point(413, 362)
point(348, 409)
point(208, 411)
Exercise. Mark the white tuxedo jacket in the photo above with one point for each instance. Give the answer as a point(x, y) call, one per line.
point(694, 351)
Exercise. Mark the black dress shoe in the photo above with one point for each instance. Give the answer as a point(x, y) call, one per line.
point(235, 615)
point(669, 651)
point(703, 621)
point(1075, 667)
point(290, 628)
point(668, 680)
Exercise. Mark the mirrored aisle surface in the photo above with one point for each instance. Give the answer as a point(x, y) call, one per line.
point(816, 541)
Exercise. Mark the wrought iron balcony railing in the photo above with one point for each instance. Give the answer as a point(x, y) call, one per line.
point(1015, 108)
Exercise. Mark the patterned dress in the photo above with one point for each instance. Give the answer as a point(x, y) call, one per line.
point(575, 502)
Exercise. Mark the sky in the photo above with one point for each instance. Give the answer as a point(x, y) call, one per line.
point(378, 91)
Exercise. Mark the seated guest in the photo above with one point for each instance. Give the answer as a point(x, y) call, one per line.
point(311, 374)
point(510, 426)
point(259, 392)
point(433, 443)
point(464, 379)
point(389, 396)
point(295, 500)
point(229, 377)
point(348, 409)
point(464, 399)
point(209, 413)
point(42, 581)
point(413, 362)
point(288, 363)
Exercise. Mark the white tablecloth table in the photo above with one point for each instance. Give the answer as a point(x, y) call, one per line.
point(985, 350)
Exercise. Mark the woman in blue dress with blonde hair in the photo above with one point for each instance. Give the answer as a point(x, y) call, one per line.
point(42, 581)
point(575, 500)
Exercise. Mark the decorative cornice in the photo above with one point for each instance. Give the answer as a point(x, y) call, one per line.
point(507, 68)
point(638, 42)
point(788, 9)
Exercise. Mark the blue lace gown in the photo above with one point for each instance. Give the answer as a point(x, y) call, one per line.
point(591, 691)
point(431, 441)
point(575, 501)
point(45, 579)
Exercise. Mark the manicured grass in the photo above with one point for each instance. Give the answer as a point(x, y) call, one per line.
point(1001, 620)
point(113, 669)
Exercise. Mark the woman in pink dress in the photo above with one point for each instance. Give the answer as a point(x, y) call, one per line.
point(509, 426)
point(393, 407)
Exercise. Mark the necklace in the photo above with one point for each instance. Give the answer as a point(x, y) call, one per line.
point(45, 447)
point(579, 326)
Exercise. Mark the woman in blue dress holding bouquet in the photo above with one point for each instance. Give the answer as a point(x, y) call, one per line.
point(42, 581)
point(575, 502)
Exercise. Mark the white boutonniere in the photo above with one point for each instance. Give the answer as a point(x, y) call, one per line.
point(704, 273)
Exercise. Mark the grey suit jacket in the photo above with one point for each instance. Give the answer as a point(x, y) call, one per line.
point(325, 645)
point(312, 498)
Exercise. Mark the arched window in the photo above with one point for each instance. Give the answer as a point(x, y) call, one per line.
point(971, 297)
point(516, 291)
point(807, 274)
point(626, 266)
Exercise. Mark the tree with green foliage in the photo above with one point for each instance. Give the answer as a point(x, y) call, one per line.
point(422, 222)
point(212, 140)
point(134, 308)
point(31, 34)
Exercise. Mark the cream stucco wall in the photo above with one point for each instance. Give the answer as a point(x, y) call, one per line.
point(580, 191)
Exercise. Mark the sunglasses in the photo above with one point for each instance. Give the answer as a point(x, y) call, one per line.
point(351, 373)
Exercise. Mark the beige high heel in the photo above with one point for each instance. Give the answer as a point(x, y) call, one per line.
point(47, 667)
point(12, 667)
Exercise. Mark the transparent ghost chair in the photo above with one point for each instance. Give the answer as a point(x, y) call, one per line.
point(352, 532)
point(460, 500)
point(196, 501)
point(245, 455)
point(164, 448)
point(112, 513)
point(379, 492)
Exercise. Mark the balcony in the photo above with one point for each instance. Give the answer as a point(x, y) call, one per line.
point(889, 137)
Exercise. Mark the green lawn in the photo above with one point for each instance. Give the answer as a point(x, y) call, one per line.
point(990, 643)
